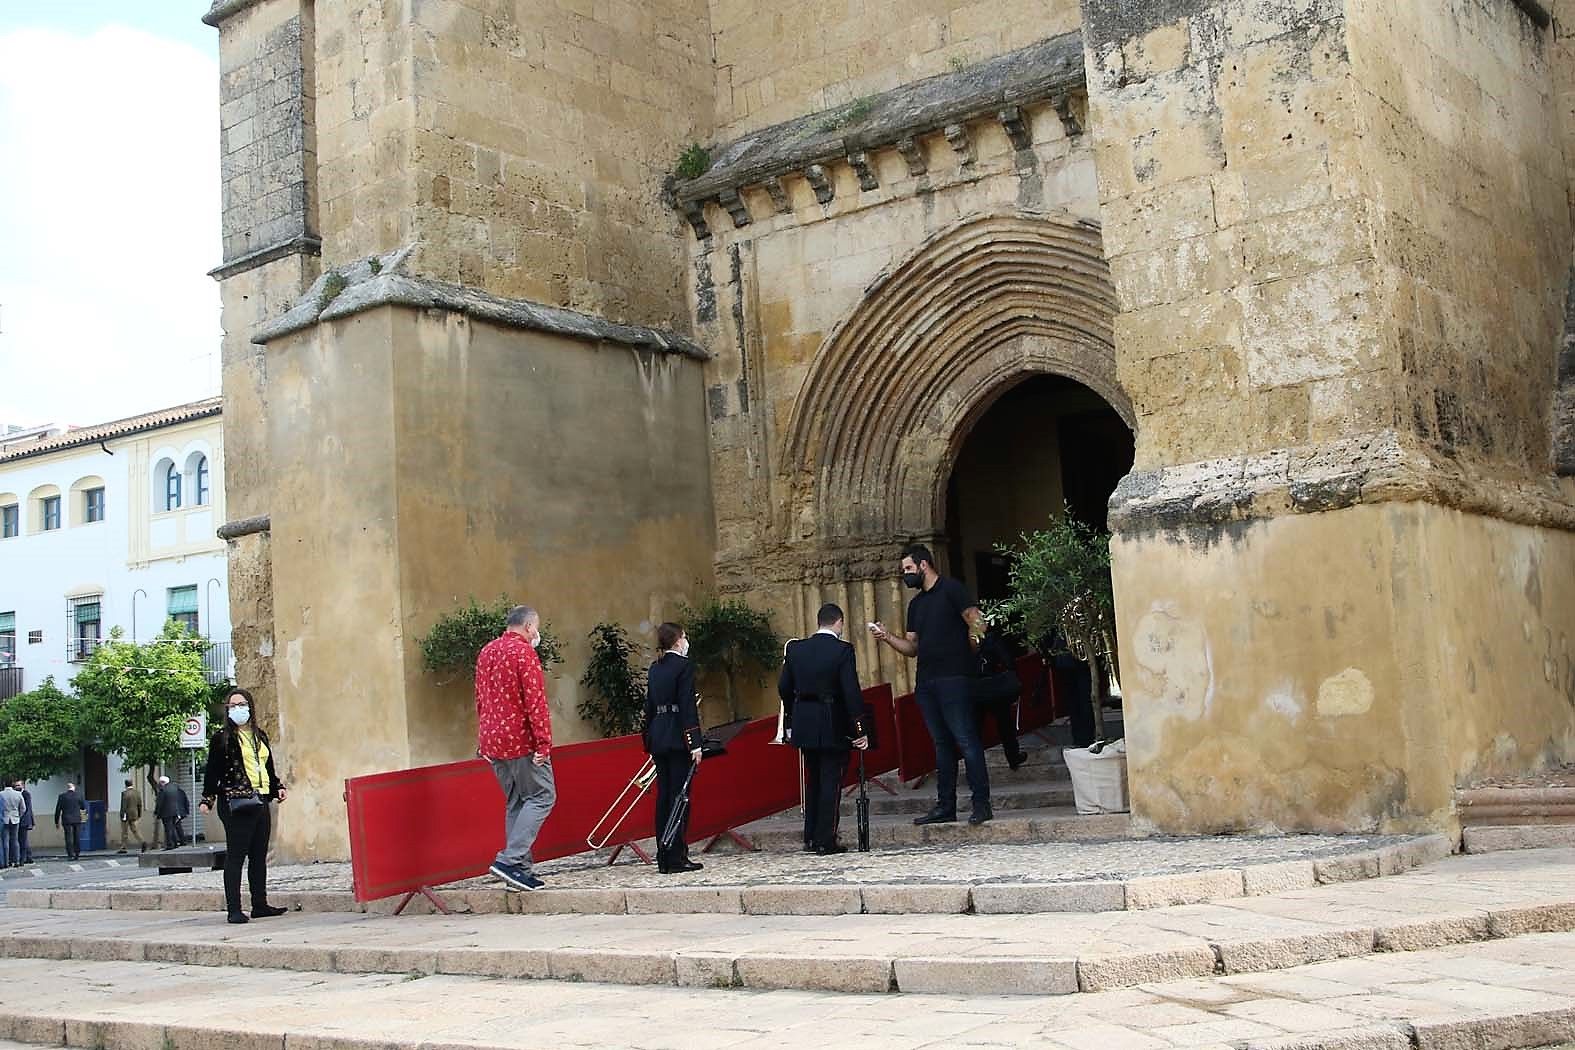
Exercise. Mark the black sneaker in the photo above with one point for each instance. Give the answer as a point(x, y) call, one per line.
point(982, 815)
point(1015, 763)
point(937, 816)
point(238, 917)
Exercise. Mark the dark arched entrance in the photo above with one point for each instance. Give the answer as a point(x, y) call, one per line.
point(1047, 443)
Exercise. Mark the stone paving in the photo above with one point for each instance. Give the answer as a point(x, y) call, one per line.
point(913, 865)
point(1517, 993)
point(1453, 901)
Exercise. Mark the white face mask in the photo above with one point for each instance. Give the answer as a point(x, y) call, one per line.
point(682, 648)
point(240, 715)
point(535, 640)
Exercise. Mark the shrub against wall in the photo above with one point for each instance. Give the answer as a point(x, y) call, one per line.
point(614, 683)
point(450, 648)
point(731, 637)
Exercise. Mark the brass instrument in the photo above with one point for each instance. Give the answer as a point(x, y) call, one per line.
point(781, 737)
point(642, 781)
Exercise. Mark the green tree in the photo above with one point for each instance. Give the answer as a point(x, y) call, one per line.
point(41, 733)
point(450, 648)
point(730, 637)
point(614, 685)
point(135, 697)
point(1059, 581)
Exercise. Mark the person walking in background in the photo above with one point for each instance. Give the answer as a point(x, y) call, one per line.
point(672, 739)
point(10, 827)
point(514, 734)
point(26, 827)
point(130, 813)
point(167, 812)
point(241, 780)
point(943, 627)
point(820, 682)
point(997, 689)
point(69, 809)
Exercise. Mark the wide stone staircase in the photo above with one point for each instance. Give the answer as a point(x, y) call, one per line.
point(1274, 943)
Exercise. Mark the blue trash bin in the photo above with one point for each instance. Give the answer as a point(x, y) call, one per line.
point(96, 835)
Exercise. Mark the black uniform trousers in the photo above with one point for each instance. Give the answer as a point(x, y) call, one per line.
point(823, 773)
point(73, 833)
point(671, 769)
point(246, 837)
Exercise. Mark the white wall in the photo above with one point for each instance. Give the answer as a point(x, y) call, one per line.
point(132, 557)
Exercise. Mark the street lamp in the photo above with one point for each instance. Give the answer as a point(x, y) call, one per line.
point(134, 594)
point(207, 596)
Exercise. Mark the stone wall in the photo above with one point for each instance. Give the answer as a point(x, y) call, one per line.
point(425, 457)
point(523, 150)
point(267, 137)
point(774, 63)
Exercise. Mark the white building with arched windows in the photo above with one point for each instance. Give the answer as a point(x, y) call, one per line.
point(101, 527)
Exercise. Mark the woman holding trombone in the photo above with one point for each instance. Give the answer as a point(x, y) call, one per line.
point(672, 738)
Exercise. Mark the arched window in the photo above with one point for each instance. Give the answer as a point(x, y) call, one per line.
point(202, 481)
point(171, 487)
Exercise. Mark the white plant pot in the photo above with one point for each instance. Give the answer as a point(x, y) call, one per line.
point(1099, 782)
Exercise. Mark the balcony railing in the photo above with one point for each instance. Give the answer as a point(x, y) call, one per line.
point(79, 649)
point(10, 681)
point(216, 661)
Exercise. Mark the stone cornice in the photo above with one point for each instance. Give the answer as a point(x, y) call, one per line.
point(223, 9)
point(1366, 469)
point(232, 530)
point(381, 281)
point(302, 244)
point(1049, 71)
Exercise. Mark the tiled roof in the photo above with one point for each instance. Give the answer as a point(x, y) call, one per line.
point(164, 417)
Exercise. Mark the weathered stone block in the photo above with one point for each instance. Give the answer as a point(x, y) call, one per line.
point(1164, 891)
point(384, 960)
point(970, 975)
point(1350, 867)
point(511, 963)
point(612, 965)
point(722, 899)
point(1096, 973)
point(1281, 953)
point(818, 973)
point(1432, 932)
point(1260, 879)
point(706, 970)
point(802, 900)
point(915, 900)
point(135, 900)
point(106, 949)
point(1008, 898)
point(1551, 917)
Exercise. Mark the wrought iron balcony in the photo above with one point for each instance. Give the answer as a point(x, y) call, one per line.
point(10, 681)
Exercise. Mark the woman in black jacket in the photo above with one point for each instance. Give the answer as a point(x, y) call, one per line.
point(241, 779)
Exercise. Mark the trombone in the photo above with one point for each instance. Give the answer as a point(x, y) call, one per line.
point(781, 737)
point(643, 779)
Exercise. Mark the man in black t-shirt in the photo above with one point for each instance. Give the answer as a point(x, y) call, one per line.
point(943, 629)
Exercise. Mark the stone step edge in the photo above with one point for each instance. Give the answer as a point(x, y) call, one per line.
point(852, 974)
point(784, 834)
point(1504, 1030)
point(1493, 838)
point(985, 898)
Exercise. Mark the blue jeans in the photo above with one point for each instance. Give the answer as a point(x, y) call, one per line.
point(948, 709)
point(10, 844)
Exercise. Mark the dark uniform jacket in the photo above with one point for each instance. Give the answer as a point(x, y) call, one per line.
point(820, 686)
point(69, 808)
point(672, 715)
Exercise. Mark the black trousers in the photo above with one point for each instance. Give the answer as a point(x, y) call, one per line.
point(172, 835)
point(246, 837)
point(823, 773)
point(1005, 721)
point(73, 841)
point(671, 769)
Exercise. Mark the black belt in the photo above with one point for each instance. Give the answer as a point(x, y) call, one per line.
point(815, 699)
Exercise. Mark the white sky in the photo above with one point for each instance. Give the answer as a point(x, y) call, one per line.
point(109, 222)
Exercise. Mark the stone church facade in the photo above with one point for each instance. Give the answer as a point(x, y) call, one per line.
point(1275, 289)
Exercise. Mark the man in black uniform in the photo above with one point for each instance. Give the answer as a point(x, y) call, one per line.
point(672, 738)
point(943, 628)
point(820, 685)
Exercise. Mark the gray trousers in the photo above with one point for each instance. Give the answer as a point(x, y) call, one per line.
point(528, 795)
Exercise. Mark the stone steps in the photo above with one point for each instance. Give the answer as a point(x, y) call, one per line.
point(1004, 797)
point(785, 831)
point(1492, 838)
point(1504, 995)
point(818, 895)
point(1458, 901)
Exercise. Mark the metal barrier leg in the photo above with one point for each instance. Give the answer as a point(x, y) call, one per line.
point(425, 891)
point(738, 840)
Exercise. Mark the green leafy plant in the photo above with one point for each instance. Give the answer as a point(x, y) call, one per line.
point(41, 733)
point(333, 284)
point(851, 113)
point(135, 697)
point(450, 648)
point(957, 63)
point(1059, 582)
point(614, 684)
point(729, 637)
point(693, 162)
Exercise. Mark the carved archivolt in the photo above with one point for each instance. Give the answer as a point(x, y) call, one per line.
point(979, 307)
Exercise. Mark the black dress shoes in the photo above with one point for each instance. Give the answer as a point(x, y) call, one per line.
point(981, 815)
point(831, 850)
point(936, 816)
point(238, 917)
point(679, 868)
point(1016, 761)
point(267, 911)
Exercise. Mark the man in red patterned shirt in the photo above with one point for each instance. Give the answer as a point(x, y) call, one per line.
point(514, 733)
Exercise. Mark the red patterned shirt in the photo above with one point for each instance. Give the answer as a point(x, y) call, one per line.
point(511, 700)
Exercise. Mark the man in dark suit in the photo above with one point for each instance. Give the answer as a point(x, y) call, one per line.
point(69, 809)
point(820, 685)
point(672, 738)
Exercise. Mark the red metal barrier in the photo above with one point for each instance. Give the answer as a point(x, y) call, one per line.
point(754, 779)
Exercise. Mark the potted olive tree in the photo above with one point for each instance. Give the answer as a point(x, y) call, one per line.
point(727, 636)
point(1060, 598)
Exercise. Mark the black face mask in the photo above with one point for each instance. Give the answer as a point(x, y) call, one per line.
point(913, 579)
